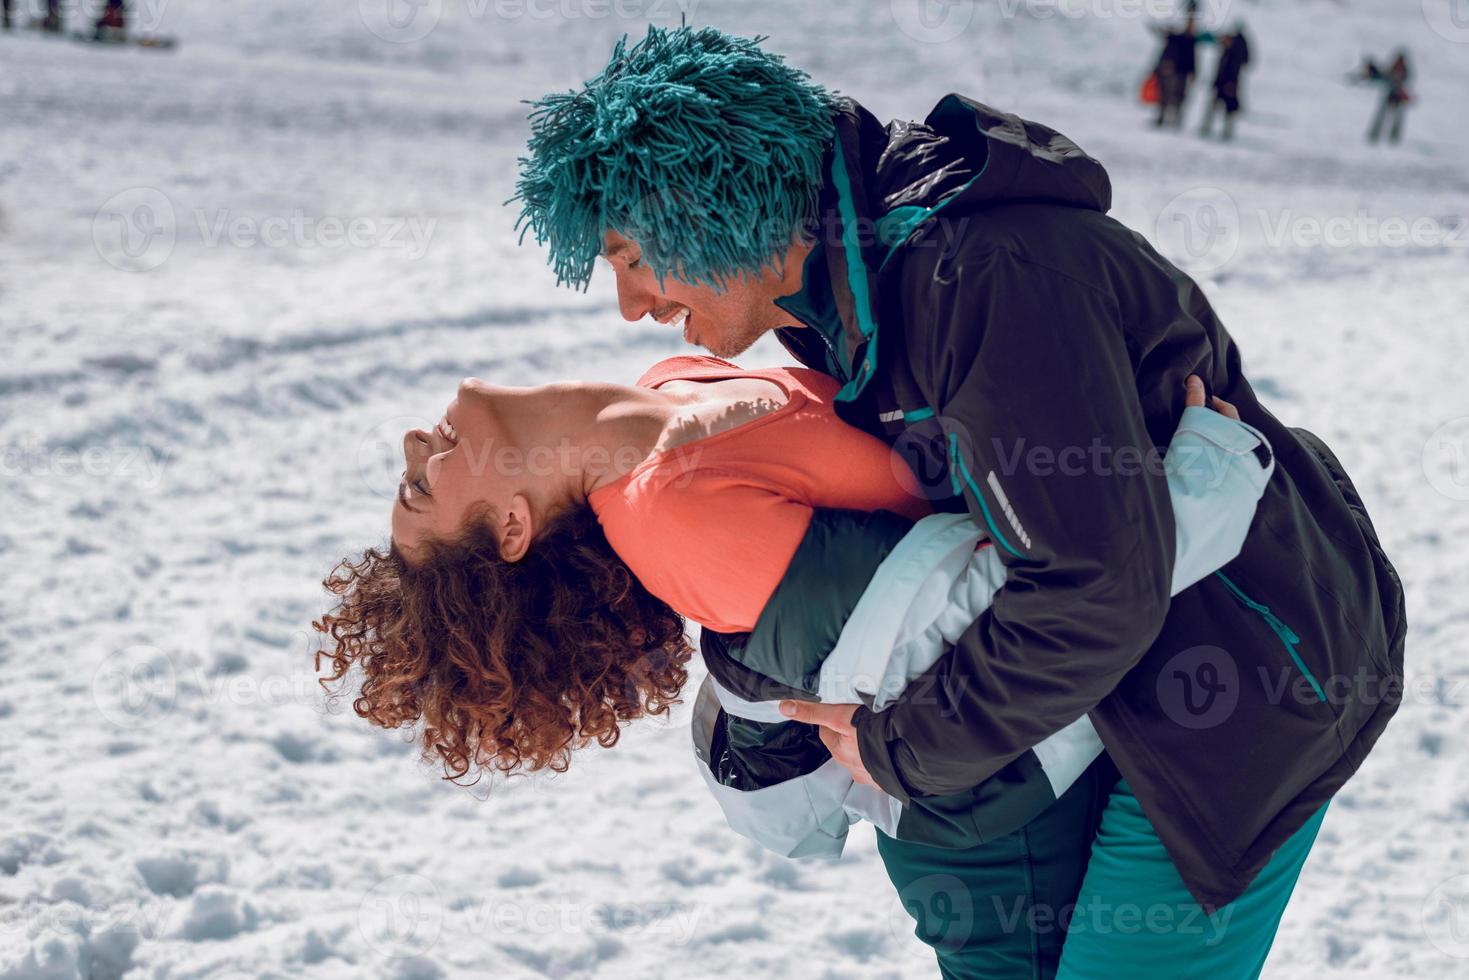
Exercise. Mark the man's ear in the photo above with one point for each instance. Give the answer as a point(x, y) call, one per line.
point(517, 527)
point(793, 263)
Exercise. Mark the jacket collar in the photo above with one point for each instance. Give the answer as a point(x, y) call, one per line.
point(883, 187)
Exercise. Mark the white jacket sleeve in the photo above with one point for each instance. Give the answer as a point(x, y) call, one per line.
point(943, 575)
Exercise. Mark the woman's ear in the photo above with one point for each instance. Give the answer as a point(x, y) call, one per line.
point(517, 527)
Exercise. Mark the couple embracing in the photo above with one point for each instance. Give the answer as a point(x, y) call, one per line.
point(1015, 565)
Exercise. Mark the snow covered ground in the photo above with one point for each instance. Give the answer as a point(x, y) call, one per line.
point(231, 276)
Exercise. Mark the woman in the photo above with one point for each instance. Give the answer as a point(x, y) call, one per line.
point(548, 543)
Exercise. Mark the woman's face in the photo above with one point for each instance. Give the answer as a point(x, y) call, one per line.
point(465, 463)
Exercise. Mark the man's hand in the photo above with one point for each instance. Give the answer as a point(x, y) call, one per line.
point(834, 723)
point(1194, 398)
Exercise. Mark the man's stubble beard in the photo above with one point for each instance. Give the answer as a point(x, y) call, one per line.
point(729, 347)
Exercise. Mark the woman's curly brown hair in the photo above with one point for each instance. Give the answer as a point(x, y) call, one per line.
point(510, 665)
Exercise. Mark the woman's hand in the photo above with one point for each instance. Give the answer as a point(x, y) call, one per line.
point(1195, 398)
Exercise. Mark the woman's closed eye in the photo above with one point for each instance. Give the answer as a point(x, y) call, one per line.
point(416, 483)
point(423, 481)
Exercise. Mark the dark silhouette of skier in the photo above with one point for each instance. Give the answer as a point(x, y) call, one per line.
point(112, 25)
point(1394, 95)
point(51, 23)
point(1175, 69)
point(1234, 54)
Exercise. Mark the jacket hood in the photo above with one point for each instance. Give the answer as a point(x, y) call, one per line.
point(967, 154)
point(885, 185)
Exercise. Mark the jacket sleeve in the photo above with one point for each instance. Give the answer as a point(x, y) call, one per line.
point(774, 781)
point(1029, 374)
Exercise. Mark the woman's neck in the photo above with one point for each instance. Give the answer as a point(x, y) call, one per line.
point(591, 433)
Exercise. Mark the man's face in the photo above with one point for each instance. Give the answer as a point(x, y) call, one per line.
point(726, 323)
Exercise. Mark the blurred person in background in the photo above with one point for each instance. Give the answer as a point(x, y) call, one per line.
point(1395, 97)
point(1177, 63)
point(51, 22)
point(112, 24)
point(1234, 54)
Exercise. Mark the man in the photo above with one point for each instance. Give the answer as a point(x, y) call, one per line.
point(51, 23)
point(1234, 54)
point(1175, 69)
point(112, 23)
point(1026, 354)
point(1394, 80)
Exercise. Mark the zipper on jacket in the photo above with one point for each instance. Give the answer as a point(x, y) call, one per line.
point(1287, 636)
point(838, 369)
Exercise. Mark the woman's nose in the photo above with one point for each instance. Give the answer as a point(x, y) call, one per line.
point(414, 441)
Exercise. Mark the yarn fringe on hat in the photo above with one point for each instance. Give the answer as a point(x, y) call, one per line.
point(696, 144)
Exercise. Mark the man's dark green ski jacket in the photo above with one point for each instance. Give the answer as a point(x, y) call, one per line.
point(1027, 354)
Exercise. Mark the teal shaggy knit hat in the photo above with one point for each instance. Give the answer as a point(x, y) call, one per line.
point(696, 144)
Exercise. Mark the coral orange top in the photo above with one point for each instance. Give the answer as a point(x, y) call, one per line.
point(711, 526)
